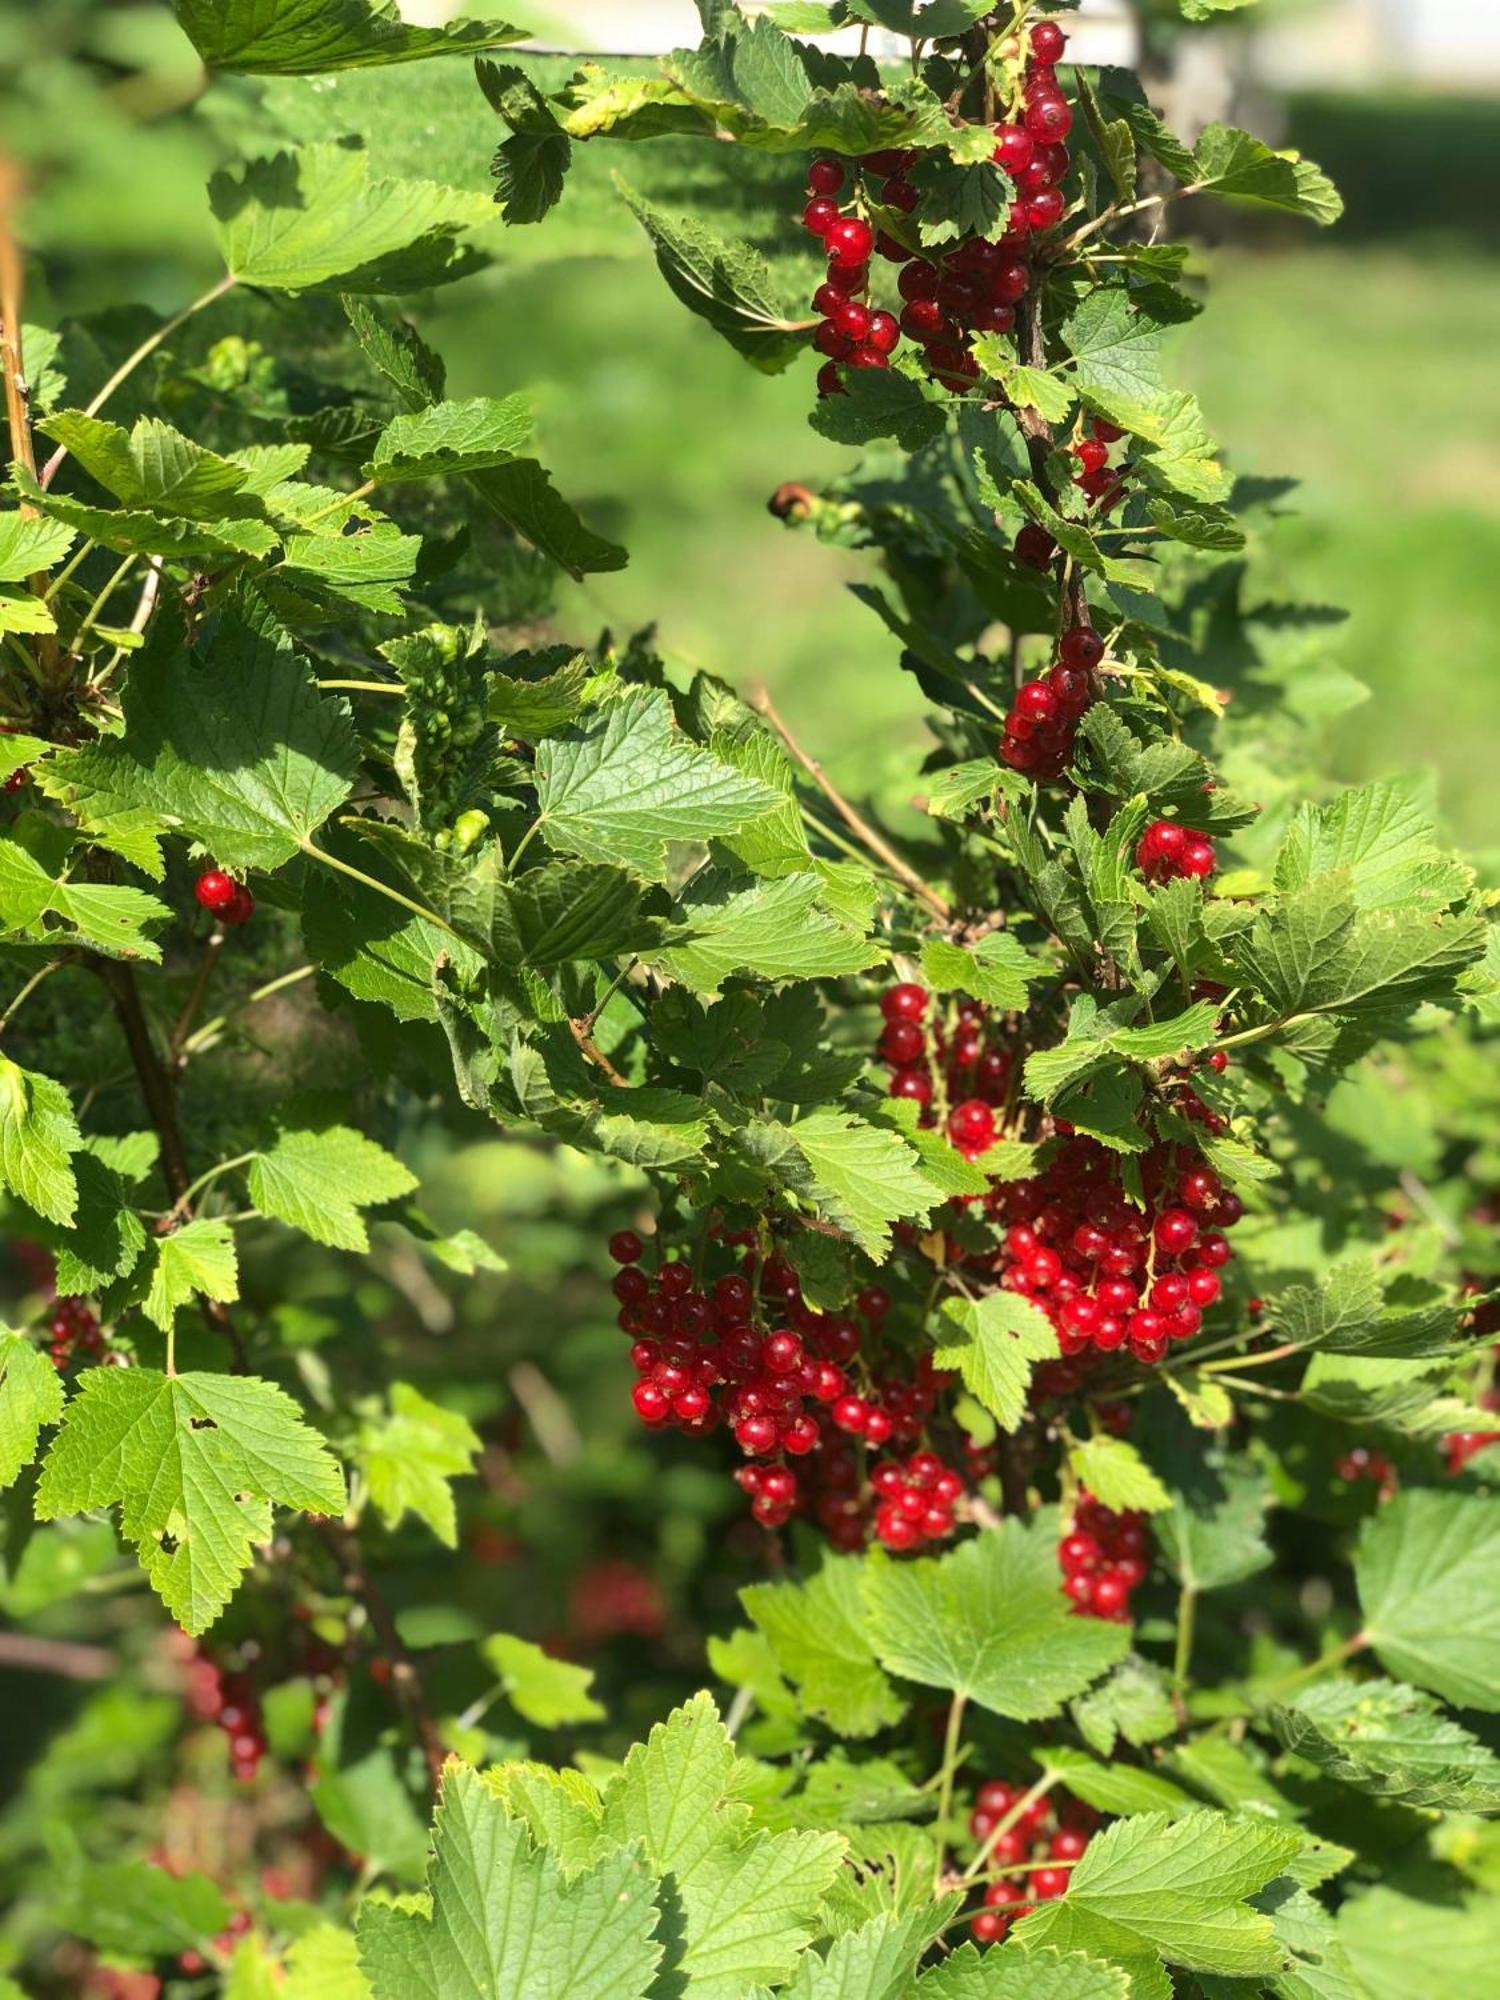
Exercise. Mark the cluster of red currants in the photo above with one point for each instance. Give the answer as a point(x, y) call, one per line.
point(1361, 1463)
point(915, 1500)
point(1045, 1837)
point(1460, 1446)
point(1104, 1557)
point(972, 1072)
point(229, 1700)
point(1168, 850)
point(75, 1330)
point(749, 1353)
point(230, 901)
point(1107, 1273)
point(968, 288)
point(1045, 714)
point(193, 1962)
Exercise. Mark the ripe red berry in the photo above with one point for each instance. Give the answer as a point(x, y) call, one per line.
point(1049, 117)
point(1080, 647)
point(852, 318)
point(1198, 858)
point(1111, 1598)
point(918, 280)
point(1045, 210)
point(820, 214)
point(1175, 1231)
point(239, 909)
point(1010, 281)
point(652, 1403)
point(215, 890)
point(971, 1125)
point(626, 1247)
point(850, 240)
point(825, 177)
point(1034, 546)
point(830, 382)
point(1047, 42)
point(1050, 1882)
point(884, 332)
point(1092, 453)
point(1014, 147)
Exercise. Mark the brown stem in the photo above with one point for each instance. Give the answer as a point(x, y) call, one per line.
point(194, 1001)
point(161, 1107)
point(67, 1659)
point(1040, 442)
point(857, 824)
point(12, 363)
point(406, 1681)
point(596, 1055)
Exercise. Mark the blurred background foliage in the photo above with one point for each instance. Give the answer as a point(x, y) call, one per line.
point(1361, 363)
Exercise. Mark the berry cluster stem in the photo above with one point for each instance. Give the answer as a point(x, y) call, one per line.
point(858, 825)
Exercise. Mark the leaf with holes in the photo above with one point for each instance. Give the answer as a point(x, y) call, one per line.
point(195, 1464)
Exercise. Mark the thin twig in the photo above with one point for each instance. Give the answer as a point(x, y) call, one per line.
point(12, 364)
point(858, 825)
point(596, 1055)
point(161, 1105)
point(189, 1014)
point(67, 1659)
point(133, 361)
point(406, 1682)
point(46, 972)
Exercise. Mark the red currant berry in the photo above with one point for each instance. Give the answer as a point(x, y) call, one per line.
point(1081, 648)
point(850, 239)
point(1049, 117)
point(820, 214)
point(626, 1247)
point(215, 890)
point(971, 1125)
point(1047, 42)
point(825, 177)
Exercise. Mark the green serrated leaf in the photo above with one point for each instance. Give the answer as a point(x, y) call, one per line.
point(815, 1631)
point(194, 1463)
point(1425, 1568)
point(318, 1177)
point(409, 1453)
point(994, 1343)
point(551, 1693)
point(989, 1621)
point(309, 37)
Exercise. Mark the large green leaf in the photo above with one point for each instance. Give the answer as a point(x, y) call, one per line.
point(409, 1453)
point(318, 1176)
point(747, 1902)
point(197, 1259)
point(503, 1920)
point(548, 1692)
point(31, 1395)
point(1390, 1741)
point(1239, 167)
point(1182, 1886)
point(194, 1463)
point(816, 1632)
point(230, 743)
point(450, 438)
point(778, 929)
point(1426, 1570)
point(994, 1342)
point(723, 281)
point(307, 37)
point(38, 1136)
point(989, 1621)
point(620, 784)
point(317, 219)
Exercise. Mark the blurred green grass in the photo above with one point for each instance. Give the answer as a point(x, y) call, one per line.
point(1360, 360)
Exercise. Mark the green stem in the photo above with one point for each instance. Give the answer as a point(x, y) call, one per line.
point(119, 575)
point(85, 549)
point(980, 1864)
point(344, 500)
point(381, 888)
point(951, 1735)
point(133, 361)
point(46, 972)
point(1239, 1362)
point(185, 1200)
point(201, 1037)
point(363, 687)
point(1187, 1611)
point(523, 843)
point(1334, 1657)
